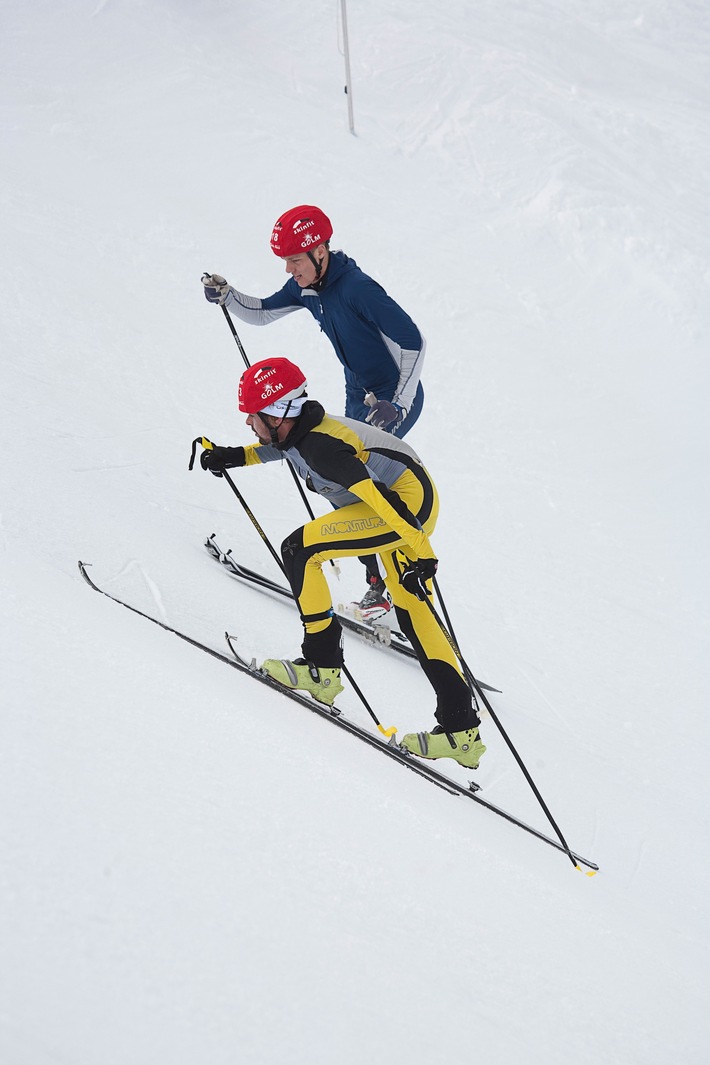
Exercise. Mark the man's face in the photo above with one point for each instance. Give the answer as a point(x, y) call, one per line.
point(256, 424)
point(302, 269)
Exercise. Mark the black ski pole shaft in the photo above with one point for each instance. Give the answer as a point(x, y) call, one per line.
point(385, 731)
point(299, 486)
point(358, 691)
point(235, 334)
point(250, 514)
point(453, 641)
point(499, 726)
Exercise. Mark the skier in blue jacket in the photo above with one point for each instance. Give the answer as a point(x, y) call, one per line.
point(378, 344)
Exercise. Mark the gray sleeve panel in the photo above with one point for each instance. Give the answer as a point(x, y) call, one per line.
point(378, 439)
point(250, 309)
point(410, 365)
point(384, 468)
point(268, 453)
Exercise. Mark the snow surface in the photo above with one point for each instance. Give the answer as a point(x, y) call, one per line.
point(193, 869)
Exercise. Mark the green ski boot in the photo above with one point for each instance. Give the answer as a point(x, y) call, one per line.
point(464, 747)
point(323, 684)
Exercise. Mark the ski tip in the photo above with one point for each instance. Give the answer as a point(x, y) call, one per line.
point(82, 570)
point(586, 872)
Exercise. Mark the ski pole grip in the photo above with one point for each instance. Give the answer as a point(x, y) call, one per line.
point(204, 443)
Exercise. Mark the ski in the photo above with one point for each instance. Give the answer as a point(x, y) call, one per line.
point(380, 635)
point(370, 631)
point(391, 749)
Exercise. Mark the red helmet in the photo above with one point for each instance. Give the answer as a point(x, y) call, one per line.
point(298, 230)
point(270, 383)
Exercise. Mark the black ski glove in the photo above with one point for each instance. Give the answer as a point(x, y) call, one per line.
point(417, 573)
point(217, 459)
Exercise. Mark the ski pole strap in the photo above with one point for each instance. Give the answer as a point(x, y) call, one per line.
point(204, 443)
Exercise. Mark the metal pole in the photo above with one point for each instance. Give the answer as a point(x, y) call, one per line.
point(346, 48)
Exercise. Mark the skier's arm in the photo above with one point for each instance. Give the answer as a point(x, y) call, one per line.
point(255, 454)
point(400, 336)
point(217, 459)
point(257, 311)
point(370, 492)
point(250, 309)
point(410, 363)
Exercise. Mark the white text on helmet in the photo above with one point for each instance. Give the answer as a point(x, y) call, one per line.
point(270, 390)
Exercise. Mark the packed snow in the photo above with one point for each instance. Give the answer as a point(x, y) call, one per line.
point(194, 868)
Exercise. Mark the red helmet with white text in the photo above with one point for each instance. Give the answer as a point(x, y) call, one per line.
point(270, 387)
point(299, 230)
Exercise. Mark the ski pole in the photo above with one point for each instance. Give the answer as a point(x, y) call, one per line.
point(205, 443)
point(235, 334)
point(472, 680)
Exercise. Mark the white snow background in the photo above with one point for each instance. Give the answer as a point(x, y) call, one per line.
point(193, 869)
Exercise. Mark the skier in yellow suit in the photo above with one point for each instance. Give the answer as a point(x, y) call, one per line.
point(385, 504)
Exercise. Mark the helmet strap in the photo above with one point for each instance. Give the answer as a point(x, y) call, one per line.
point(318, 265)
point(274, 429)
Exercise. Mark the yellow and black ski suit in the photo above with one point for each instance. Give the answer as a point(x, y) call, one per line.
point(386, 504)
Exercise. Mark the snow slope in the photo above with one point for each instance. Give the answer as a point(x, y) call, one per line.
point(193, 869)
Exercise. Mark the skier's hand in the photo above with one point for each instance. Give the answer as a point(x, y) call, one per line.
point(216, 288)
point(414, 578)
point(385, 415)
point(218, 459)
